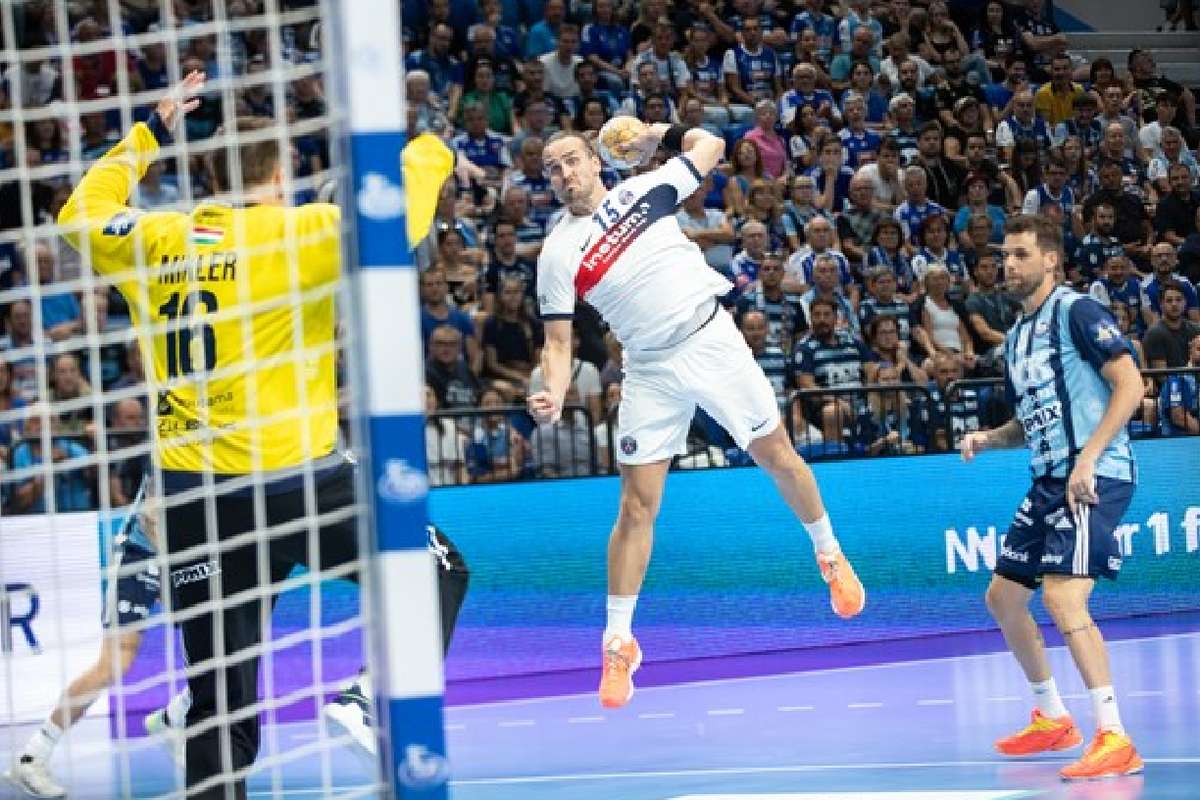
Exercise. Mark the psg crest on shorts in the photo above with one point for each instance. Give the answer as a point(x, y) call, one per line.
point(628, 445)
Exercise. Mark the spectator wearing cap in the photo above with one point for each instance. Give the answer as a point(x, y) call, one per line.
point(558, 66)
point(856, 225)
point(804, 92)
point(605, 43)
point(978, 188)
point(1055, 100)
point(967, 121)
point(912, 213)
point(814, 18)
point(751, 68)
point(1083, 124)
point(1175, 217)
point(859, 142)
point(1097, 247)
point(1024, 123)
point(1131, 222)
point(1164, 261)
point(1174, 154)
point(783, 311)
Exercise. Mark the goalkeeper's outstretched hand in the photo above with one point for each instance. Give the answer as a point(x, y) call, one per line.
point(181, 99)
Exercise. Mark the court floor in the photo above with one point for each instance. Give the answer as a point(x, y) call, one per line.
point(916, 730)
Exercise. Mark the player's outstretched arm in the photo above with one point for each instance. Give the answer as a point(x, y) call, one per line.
point(546, 406)
point(94, 210)
point(702, 149)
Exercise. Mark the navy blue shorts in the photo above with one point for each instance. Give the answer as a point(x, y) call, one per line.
point(1045, 539)
point(137, 586)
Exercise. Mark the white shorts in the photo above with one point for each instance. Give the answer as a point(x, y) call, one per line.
point(714, 369)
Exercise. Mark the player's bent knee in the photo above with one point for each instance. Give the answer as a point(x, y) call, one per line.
point(1005, 597)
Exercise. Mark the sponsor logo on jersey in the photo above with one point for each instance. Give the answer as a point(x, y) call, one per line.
point(1008, 553)
point(122, 224)
point(1042, 417)
point(655, 204)
point(1049, 558)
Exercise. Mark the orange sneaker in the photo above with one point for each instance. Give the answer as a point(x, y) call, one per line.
point(1041, 734)
point(846, 592)
point(1110, 754)
point(621, 659)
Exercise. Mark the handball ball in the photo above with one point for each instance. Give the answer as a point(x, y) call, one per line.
point(615, 139)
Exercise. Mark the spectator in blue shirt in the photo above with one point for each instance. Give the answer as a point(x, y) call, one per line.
point(543, 34)
point(832, 359)
point(445, 71)
point(72, 487)
point(1179, 400)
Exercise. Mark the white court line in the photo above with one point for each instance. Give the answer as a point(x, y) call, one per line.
point(796, 708)
point(583, 720)
point(687, 773)
point(726, 712)
point(935, 702)
point(864, 705)
point(805, 673)
point(457, 726)
point(657, 715)
point(516, 723)
point(1008, 698)
point(1147, 693)
point(1075, 696)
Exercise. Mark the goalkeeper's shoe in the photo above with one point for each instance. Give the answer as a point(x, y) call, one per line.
point(621, 659)
point(350, 713)
point(1109, 755)
point(1041, 734)
point(32, 777)
point(846, 592)
point(170, 737)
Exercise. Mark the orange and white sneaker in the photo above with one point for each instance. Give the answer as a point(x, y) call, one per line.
point(846, 592)
point(621, 659)
point(1041, 734)
point(1109, 755)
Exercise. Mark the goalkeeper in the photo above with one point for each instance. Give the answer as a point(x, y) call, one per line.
point(238, 302)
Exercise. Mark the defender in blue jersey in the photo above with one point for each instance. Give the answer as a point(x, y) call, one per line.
point(1074, 385)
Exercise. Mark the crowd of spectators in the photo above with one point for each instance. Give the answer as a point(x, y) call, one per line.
point(875, 150)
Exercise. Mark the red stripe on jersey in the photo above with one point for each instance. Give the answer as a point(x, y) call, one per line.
point(605, 251)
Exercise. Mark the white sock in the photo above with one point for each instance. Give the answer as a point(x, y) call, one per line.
point(178, 707)
point(1045, 694)
point(620, 616)
point(821, 533)
point(41, 744)
point(1104, 703)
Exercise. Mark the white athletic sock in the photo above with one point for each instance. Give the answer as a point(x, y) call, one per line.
point(821, 533)
point(620, 616)
point(41, 744)
point(178, 707)
point(1104, 703)
point(1045, 694)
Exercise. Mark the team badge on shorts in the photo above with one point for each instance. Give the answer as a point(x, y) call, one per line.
point(625, 196)
point(628, 445)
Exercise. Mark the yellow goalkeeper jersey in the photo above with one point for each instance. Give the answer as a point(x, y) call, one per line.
point(235, 311)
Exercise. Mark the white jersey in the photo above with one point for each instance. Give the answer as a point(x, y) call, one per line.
point(631, 261)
